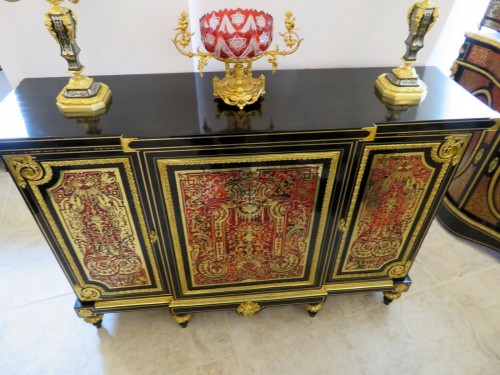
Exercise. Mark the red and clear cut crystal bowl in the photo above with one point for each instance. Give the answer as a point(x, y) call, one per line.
point(236, 34)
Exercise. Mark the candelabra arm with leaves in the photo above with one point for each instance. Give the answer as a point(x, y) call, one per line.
point(237, 37)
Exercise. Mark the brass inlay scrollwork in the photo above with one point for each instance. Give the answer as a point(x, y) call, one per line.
point(479, 156)
point(23, 168)
point(248, 308)
point(493, 165)
point(342, 225)
point(87, 293)
point(399, 270)
point(75, 260)
point(153, 237)
point(167, 186)
point(427, 192)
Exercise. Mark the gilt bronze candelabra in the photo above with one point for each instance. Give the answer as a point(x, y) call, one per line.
point(403, 86)
point(82, 96)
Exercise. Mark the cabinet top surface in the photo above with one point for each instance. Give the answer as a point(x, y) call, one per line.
point(182, 104)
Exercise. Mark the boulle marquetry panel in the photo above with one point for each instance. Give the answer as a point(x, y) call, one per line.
point(94, 213)
point(471, 208)
point(251, 222)
point(321, 190)
point(396, 187)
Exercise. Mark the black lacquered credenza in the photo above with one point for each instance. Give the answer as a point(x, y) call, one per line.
point(173, 200)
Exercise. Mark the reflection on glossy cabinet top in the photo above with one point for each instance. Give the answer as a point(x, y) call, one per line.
point(172, 105)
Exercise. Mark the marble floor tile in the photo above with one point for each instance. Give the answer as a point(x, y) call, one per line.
point(446, 257)
point(16, 215)
point(47, 338)
point(423, 334)
point(150, 342)
point(29, 272)
point(321, 349)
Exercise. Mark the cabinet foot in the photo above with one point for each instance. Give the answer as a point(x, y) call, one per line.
point(182, 319)
point(391, 296)
point(396, 293)
point(95, 321)
point(90, 317)
point(313, 309)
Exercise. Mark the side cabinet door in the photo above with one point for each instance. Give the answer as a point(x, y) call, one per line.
point(395, 196)
point(91, 212)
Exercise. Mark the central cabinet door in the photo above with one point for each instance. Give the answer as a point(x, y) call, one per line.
point(248, 223)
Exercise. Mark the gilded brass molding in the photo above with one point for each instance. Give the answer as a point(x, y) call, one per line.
point(372, 130)
point(226, 300)
point(483, 39)
point(493, 199)
point(134, 302)
point(493, 165)
point(125, 142)
point(88, 293)
point(358, 285)
point(495, 127)
point(23, 168)
point(248, 308)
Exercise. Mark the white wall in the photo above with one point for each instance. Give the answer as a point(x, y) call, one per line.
point(130, 36)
